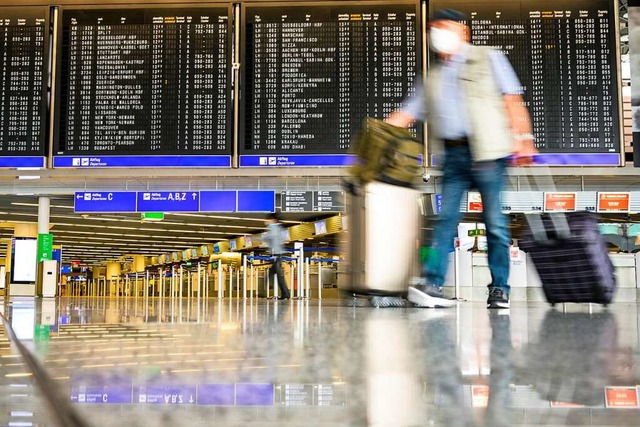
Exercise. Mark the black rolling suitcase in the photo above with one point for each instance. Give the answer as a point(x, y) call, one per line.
point(571, 257)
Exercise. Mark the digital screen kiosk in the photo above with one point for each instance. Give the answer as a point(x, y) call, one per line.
point(566, 56)
point(24, 53)
point(144, 87)
point(24, 263)
point(313, 72)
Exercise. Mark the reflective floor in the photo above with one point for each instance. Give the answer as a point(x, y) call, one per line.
point(137, 362)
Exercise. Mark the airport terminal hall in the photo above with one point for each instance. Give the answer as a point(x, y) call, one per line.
point(385, 213)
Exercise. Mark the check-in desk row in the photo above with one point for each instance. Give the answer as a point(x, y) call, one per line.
point(472, 271)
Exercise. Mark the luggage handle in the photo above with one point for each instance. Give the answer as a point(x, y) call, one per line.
point(559, 219)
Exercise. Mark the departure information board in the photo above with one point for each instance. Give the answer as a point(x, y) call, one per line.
point(564, 53)
point(312, 73)
point(24, 49)
point(144, 87)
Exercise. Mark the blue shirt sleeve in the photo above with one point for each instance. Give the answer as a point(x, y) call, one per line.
point(416, 105)
point(506, 77)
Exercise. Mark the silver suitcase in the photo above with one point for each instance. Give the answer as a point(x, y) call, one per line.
point(383, 234)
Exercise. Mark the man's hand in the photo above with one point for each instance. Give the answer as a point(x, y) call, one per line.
point(400, 119)
point(524, 151)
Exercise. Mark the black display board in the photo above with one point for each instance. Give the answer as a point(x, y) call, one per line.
point(565, 54)
point(313, 72)
point(24, 52)
point(136, 84)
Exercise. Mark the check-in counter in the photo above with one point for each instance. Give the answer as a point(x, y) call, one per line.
point(518, 277)
point(625, 268)
point(626, 276)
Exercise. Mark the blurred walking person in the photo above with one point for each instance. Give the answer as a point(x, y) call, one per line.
point(275, 241)
point(472, 103)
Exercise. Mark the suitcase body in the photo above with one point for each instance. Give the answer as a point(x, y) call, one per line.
point(577, 269)
point(383, 238)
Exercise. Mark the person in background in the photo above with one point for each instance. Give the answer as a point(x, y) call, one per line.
point(275, 241)
point(473, 106)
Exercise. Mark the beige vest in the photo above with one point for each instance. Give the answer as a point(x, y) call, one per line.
point(490, 137)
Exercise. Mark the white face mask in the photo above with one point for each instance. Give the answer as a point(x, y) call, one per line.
point(444, 41)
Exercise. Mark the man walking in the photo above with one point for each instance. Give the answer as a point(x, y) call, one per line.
point(275, 241)
point(472, 102)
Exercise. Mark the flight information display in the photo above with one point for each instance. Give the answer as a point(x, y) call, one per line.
point(24, 49)
point(312, 73)
point(564, 53)
point(144, 87)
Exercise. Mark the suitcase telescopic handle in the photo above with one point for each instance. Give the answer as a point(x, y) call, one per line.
point(542, 178)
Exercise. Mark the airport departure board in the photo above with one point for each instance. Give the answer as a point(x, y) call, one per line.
point(141, 84)
point(564, 53)
point(24, 49)
point(312, 73)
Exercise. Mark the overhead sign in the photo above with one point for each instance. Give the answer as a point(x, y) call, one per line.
point(175, 201)
point(613, 202)
point(474, 202)
point(87, 389)
point(218, 201)
point(166, 394)
point(113, 202)
point(329, 201)
point(296, 201)
point(256, 201)
point(313, 201)
point(559, 202)
point(621, 397)
point(163, 201)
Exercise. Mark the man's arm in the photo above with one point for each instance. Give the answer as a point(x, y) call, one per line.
point(517, 113)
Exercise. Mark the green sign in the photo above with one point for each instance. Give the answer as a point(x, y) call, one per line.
point(478, 232)
point(41, 333)
point(152, 216)
point(45, 247)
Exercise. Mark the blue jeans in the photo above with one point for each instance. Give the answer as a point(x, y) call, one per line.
point(461, 174)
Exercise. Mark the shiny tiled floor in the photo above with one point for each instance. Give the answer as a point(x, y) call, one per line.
point(133, 362)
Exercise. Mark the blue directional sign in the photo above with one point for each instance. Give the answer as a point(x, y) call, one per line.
point(94, 389)
point(297, 160)
point(216, 394)
point(101, 162)
point(13, 162)
point(256, 201)
point(218, 201)
point(105, 202)
point(255, 394)
point(166, 394)
point(164, 201)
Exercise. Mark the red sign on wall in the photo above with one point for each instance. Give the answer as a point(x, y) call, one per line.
point(559, 202)
point(622, 397)
point(613, 202)
point(474, 202)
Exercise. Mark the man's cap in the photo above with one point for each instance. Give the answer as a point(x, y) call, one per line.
point(448, 15)
point(274, 216)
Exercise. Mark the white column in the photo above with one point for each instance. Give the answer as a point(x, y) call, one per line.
point(44, 210)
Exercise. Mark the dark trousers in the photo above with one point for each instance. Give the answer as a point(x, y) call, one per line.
point(276, 270)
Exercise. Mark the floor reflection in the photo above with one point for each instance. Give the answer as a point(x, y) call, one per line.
point(256, 362)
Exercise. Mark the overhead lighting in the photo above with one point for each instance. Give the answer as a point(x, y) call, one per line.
point(28, 176)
